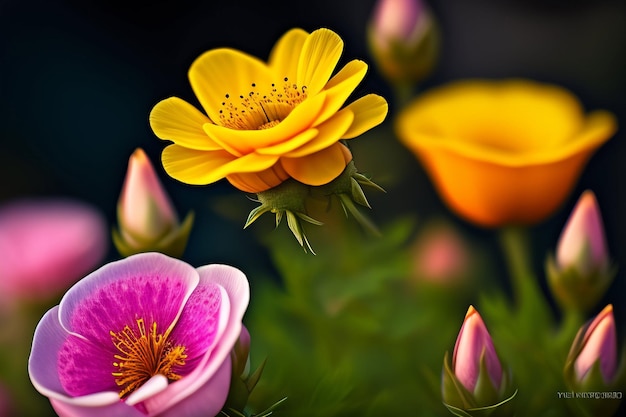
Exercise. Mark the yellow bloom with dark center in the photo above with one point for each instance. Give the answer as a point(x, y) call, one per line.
point(503, 152)
point(267, 122)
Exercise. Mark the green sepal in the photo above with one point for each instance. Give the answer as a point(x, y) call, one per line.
point(486, 400)
point(173, 243)
point(575, 290)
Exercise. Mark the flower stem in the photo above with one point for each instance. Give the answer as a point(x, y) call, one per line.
point(515, 244)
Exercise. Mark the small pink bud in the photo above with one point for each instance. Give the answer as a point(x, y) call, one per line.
point(397, 20)
point(582, 244)
point(472, 343)
point(599, 343)
point(440, 255)
point(144, 209)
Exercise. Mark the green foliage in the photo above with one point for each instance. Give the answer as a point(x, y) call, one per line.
point(349, 332)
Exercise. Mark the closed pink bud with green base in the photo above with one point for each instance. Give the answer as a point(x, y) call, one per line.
point(581, 272)
point(147, 219)
point(475, 379)
point(403, 39)
point(592, 364)
point(582, 244)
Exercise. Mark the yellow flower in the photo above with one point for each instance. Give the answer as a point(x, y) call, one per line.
point(503, 152)
point(267, 122)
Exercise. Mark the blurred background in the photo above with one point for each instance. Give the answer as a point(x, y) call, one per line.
point(78, 79)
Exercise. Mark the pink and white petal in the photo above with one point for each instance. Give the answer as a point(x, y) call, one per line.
point(369, 111)
point(149, 286)
point(340, 87)
point(286, 52)
point(224, 72)
point(319, 56)
point(150, 388)
point(117, 409)
point(176, 120)
point(207, 400)
point(235, 283)
point(85, 368)
point(201, 323)
point(47, 341)
point(318, 168)
point(236, 286)
point(241, 142)
point(329, 133)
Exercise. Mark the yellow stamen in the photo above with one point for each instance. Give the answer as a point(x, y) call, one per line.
point(143, 356)
point(261, 109)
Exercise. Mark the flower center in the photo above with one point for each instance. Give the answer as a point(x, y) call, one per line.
point(143, 355)
point(262, 107)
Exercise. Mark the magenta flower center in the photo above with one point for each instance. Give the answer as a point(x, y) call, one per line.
point(144, 353)
point(261, 108)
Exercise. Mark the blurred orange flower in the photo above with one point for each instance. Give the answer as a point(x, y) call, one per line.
point(503, 152)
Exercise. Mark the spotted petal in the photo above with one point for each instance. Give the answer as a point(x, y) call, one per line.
point(150, 286)
point(211, 367)
point(319, 56)
point(224, 71)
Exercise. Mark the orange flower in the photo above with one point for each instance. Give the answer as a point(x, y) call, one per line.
point(267, 122)
point(503, 152)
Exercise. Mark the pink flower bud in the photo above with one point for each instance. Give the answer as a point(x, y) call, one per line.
point(599, 343)
point(440, 255)
point(144, 210)
point(397, 20)
point(472, 344)
point(582, 244)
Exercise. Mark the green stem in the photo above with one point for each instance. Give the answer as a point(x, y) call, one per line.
point(515, 244)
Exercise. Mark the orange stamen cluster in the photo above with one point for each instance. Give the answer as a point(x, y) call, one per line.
point(261, 110)
point(144, 355)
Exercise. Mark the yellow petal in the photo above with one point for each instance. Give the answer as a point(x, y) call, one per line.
point(205, 167)
point(286, 52)
point(245, 141)
point(340, 87)
point(176, 120)
point(329, 132)
point(320, 53)
point(256, 182)
point(291, 144)
point(224, 72)
point(318, 168)
point(369, 111)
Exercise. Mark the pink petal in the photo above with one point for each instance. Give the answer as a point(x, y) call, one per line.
point(202, 322)
point(237, 288)
point(47, 342)
point(151, 286)
point(207, 400)
point(118, 409)
point(46, 245)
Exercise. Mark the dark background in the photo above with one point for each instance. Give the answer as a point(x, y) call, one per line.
point(79, 78)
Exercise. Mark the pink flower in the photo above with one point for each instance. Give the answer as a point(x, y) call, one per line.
point(599, 343)
point(46, 245)
point(145, 336)
point(582, 244)
point(473, 345)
